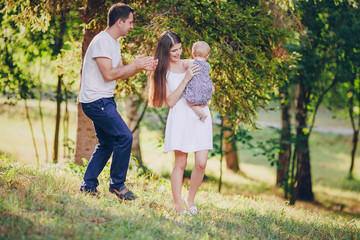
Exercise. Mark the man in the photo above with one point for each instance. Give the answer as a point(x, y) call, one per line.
point(101, 68)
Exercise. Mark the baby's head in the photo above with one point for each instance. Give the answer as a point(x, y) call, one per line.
point(201, 49)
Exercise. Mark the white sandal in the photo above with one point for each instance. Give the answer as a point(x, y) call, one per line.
point(193, 210)
point(184, 213)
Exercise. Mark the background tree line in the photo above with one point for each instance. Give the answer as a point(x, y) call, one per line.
point(304, 53)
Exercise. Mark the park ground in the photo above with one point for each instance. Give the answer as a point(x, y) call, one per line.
point(34, 199)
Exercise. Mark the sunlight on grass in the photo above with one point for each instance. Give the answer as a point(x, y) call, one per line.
point(46, 204)
point(18, 137)
point(237, 212)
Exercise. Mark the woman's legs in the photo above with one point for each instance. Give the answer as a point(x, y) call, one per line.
point(177, 178)
point(197, 175)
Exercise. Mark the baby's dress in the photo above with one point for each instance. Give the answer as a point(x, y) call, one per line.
point(184, 130)
point(199, 89)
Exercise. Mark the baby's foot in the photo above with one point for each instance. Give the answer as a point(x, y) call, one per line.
point(203, 117)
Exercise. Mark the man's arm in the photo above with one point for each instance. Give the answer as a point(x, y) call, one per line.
point(124, 71)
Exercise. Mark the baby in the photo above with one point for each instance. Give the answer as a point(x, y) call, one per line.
point(200, 88)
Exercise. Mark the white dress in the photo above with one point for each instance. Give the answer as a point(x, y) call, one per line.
point(184, 130)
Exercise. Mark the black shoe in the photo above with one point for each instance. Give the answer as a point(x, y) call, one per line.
point(92, 192)
point(123, 193)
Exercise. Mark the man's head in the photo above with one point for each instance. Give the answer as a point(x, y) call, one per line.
point(121, 15)
point(201, 49)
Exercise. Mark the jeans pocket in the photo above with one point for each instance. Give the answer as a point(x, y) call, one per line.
point(93, 108)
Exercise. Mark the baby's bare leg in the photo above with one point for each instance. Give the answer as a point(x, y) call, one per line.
point(198, 110)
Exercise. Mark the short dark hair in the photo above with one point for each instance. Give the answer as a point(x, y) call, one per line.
point(118, 11)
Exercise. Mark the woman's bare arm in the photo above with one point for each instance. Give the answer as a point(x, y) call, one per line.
point(172, 98)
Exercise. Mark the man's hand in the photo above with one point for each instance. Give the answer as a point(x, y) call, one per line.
point(152, 66)
point(145, 63)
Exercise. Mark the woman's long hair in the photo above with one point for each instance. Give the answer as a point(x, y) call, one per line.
point(157, 83)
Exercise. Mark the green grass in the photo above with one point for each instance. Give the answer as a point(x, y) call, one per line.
point(34, 201)
point(46, 204)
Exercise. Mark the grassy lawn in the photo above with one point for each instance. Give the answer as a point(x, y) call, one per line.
point(249, 206)
point(46, 204)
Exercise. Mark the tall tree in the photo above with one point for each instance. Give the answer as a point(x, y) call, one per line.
point(345, 26)
point(317, 75)
point(59, 21)
point(49, 19)
point(94, 18)
point(20, 56)
point(285, 139)
point(230, 148)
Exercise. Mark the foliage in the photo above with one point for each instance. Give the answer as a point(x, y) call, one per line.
point(244, 68)
point(320, 50)
point(319, 68)
point(29, 38)
point(16, 80)
point(78, 169)
point(345, 28)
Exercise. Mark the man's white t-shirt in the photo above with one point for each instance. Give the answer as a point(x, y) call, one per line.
point(93, 86)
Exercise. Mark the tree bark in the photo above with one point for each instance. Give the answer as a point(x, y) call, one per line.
point(356, 128)
point(85, 135)
point(353, 152)
point(231, 157)
point(57, 121)
point(132, 105)
point(303, 184)
point(32, 132)
point(285, 140)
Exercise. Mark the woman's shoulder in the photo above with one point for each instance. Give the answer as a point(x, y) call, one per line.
point(187, 63)
point(188, 60)
point(178, 68)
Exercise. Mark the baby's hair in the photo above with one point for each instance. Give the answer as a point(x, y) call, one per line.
point(201, 49)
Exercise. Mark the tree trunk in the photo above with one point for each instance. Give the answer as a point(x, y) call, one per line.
point(231, 157)
point(57, 50)
point(303, 185)
point(132, 105)
point(85, 135)
point(43, 125)
point(221, 152)
point(356, 133)
point(32, 132)
point(66, 141)
point(285, 140)
point(353, 152)
point(57, 120)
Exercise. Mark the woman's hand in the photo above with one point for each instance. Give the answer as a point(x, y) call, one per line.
point(193, 70)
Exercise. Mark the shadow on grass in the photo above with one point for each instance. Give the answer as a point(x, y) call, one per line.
point(35, 210)
point(256, 187)
point(254, 223)
point(92, 222)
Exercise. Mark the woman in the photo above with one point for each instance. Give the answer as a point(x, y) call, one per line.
point(184, 132)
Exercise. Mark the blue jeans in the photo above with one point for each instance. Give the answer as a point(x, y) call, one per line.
point(114, 138)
